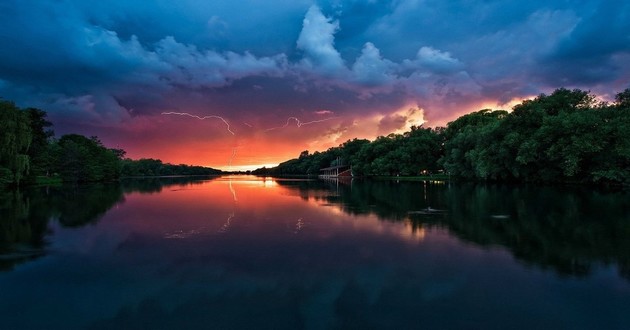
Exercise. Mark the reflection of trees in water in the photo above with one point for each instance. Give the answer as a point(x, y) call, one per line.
point(24, 215)
point(566, 229)
point(80, 205)
point(151, 185)
point(389, 200)
point(21, 236)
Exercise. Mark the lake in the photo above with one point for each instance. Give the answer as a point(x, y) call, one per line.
point(244, 252)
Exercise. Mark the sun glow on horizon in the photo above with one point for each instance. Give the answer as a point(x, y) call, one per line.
point(256, 148)
point(243, 168)
point(477, 106)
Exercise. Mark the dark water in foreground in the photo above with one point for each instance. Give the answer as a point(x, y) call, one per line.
point(249, 253)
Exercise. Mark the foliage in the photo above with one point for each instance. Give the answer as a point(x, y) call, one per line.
point(412, 153)
point(15, 140)
point(82, 159)
point(155, 167)
point(563, 137)
point(41, 159)
point(29, 154)
point(567, 136)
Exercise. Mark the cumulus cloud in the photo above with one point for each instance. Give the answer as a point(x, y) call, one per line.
point(371, 69)
point(317, 41)
point(144, 78)
point(431, 59)
point(85, 61)
point(187, 66)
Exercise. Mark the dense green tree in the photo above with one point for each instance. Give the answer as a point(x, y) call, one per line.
point(424, 145)
point(15, 140)
point(371, 158)
point(396, 154)
point(529, 144)
point(82, 159)
point(467, 151)
point(622, 99)
point(155, 167)
point(28, 151)
point(40, 154)
point(565, 136)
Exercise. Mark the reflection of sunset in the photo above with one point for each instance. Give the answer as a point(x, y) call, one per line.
point(249, 204)
point(372, 223)
point(369, 222)
point(269, 183)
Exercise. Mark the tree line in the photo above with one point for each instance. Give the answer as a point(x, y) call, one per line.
point(30, 153)
point(567, 136)
point(155, 167)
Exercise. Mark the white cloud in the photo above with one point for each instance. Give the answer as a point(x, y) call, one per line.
point(434, 60)
point(371, 69)
point(191, 67)
point(317, 41)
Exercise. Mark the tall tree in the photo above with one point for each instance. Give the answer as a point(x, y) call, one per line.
point(83, 159)
point(15, 140)
point(40, 151)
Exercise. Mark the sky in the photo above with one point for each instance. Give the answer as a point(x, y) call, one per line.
point(243, 84)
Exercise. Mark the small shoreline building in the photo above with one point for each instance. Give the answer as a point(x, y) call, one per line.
point(336, 171)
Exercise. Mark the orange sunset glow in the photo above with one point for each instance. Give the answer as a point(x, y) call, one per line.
point(207, 87)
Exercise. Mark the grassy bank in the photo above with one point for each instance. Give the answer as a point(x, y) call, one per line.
point(48, 180)
point(435, 177)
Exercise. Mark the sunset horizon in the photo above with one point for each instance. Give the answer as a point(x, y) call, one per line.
point(194, 83)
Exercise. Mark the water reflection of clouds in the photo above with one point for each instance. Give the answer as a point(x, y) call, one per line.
point(365, 222)
point(403, 230)
point(318, 262)
point(269, 213)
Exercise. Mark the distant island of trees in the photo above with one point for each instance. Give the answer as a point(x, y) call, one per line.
point(567, 136)
point(29, 153)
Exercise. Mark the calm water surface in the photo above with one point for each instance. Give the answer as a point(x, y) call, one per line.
point(253, 253)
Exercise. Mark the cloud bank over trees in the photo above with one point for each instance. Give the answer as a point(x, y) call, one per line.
point(116, 66)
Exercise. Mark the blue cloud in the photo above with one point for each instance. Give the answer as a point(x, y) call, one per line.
point(596, 51)
point(119, 59)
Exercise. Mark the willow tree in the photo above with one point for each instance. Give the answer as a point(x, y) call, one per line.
point(15, 139)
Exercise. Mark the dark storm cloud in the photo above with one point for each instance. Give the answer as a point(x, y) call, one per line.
point(596, 51)
point(112, 61)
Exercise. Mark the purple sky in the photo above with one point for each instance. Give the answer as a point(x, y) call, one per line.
point(342, 69)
